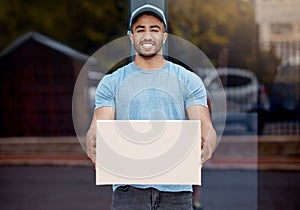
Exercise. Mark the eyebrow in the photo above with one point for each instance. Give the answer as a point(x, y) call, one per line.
point(151, 27)
point(155, 26)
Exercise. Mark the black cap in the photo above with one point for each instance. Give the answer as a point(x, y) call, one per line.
point(147, 8)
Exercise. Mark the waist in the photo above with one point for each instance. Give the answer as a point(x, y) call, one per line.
point(162, 188)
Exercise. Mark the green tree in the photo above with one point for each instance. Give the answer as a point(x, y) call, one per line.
point(213, 26)
point(216, 25)
point(83, 25)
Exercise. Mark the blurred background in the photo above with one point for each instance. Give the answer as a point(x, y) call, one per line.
point(253, 44)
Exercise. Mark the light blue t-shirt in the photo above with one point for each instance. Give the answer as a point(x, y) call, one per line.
point(162, 94)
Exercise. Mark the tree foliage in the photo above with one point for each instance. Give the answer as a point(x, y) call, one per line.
point(87, 24)
point(82, 24)
point(214, 25)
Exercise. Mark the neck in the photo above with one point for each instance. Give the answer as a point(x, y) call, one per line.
point(149, 63)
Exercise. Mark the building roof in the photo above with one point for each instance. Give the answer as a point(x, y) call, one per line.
point(44, 40)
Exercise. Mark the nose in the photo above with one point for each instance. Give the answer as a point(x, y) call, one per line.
point(147, 36)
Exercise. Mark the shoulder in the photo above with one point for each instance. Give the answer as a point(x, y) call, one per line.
point(183, 73)
point(120, 73)
point(176, 68)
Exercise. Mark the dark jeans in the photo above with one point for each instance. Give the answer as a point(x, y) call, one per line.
point(131, 198)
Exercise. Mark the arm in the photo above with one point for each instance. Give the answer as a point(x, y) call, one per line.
point(103, 113)
point(208, 133)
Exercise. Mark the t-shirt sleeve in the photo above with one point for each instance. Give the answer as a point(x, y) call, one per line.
point(104, 94)
point(195, 92)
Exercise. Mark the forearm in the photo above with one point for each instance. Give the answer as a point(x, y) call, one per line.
point(209, 142)
point(209, 135)
point(104, 113)
point(92, 129)
point(90, 140)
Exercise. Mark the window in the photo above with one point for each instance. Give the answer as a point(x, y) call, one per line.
point(281, 28)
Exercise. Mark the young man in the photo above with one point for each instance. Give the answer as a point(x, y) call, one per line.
point(151, 88)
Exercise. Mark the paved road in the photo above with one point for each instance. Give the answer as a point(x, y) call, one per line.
point(66, 188)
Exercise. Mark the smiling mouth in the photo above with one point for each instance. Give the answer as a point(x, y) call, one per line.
point(147, 45)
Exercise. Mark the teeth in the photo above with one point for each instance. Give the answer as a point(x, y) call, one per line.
point(147, 45)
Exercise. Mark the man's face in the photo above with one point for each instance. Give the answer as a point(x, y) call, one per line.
point(148, 35)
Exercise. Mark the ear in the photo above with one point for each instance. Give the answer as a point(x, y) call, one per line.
point(165, 37)
point(130, 37)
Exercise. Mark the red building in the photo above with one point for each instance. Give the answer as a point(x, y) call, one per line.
point(37, 79)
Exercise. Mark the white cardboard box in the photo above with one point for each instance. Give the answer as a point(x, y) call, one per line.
point(148, 152)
